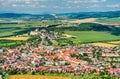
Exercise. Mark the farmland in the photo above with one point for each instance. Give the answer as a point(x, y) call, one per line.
point(108, 19)
point(103, 21)
point(10, 43)
point(103, 45)
point(115, 42)
point(91, 36)
point(86, 76)
point(15, 38)
point(36, 77)
point(88, 20)
point(8, 29)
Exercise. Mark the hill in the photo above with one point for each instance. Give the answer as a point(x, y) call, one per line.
point(80, 15)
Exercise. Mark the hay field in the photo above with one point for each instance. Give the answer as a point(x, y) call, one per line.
point(15, 38)
point(83, 20)
point(103, 44)
point(94, 20)
point(115, 42)
point(36, 77)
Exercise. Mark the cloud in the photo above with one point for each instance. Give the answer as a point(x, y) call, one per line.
point(113, 6)
point(14, 5)
point(58, 5)
point(85, 1)
point(94, 6)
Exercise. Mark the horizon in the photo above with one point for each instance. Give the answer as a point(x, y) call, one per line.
point(58, 7)
point(56, 13)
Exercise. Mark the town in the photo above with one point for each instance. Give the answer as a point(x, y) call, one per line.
point(40, 56)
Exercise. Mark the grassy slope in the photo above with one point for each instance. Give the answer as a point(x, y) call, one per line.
point(91, 36)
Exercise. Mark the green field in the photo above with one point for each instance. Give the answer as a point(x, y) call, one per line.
point(108, 19)
point(10, 29)
point(10, 43)
point(91, 36)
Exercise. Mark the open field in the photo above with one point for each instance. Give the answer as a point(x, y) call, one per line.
point(15, 38)
point(108, 19)
point(103, 21)
point(36, 77)
point(91, 36)
point(114, 42)
point(103, 44)
point(13, 27)
point(10, 43)
point(83, 20)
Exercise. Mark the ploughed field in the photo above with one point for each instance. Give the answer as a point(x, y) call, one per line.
point(36, 77)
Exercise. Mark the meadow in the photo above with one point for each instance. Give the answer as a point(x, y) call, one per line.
point(91, 36)
point(108, 19)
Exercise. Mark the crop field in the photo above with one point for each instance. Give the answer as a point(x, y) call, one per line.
point(103, 44)
point(10, 28)
point(103, 21)
point(88, 20)
point(108, 19)
point(91, 36)
point(15, 38)
point(115, 42)
point(36, 77)
point(10, 43)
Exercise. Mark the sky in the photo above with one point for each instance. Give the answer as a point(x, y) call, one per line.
point(57, 6)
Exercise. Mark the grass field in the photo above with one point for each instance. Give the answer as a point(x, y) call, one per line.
point(10, 43)
point(91, 36)
point(10, 29)
point(108, 19)
point(36, 77)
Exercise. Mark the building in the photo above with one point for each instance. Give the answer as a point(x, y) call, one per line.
point(36, 32)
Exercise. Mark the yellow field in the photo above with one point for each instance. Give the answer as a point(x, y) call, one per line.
point(103, 44)
point(90, 20)
point(67, 35)
point(19, 21)
point(36, 77)
point(15, 38)
point(115, 42)
point(83, 20)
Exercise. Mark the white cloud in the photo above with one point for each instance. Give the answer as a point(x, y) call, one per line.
point(85, 1)
point(14, 5)
point(94, 6)
point(114, 6)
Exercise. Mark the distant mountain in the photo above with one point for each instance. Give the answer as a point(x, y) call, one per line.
point(80, 15)
point(26, 16)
